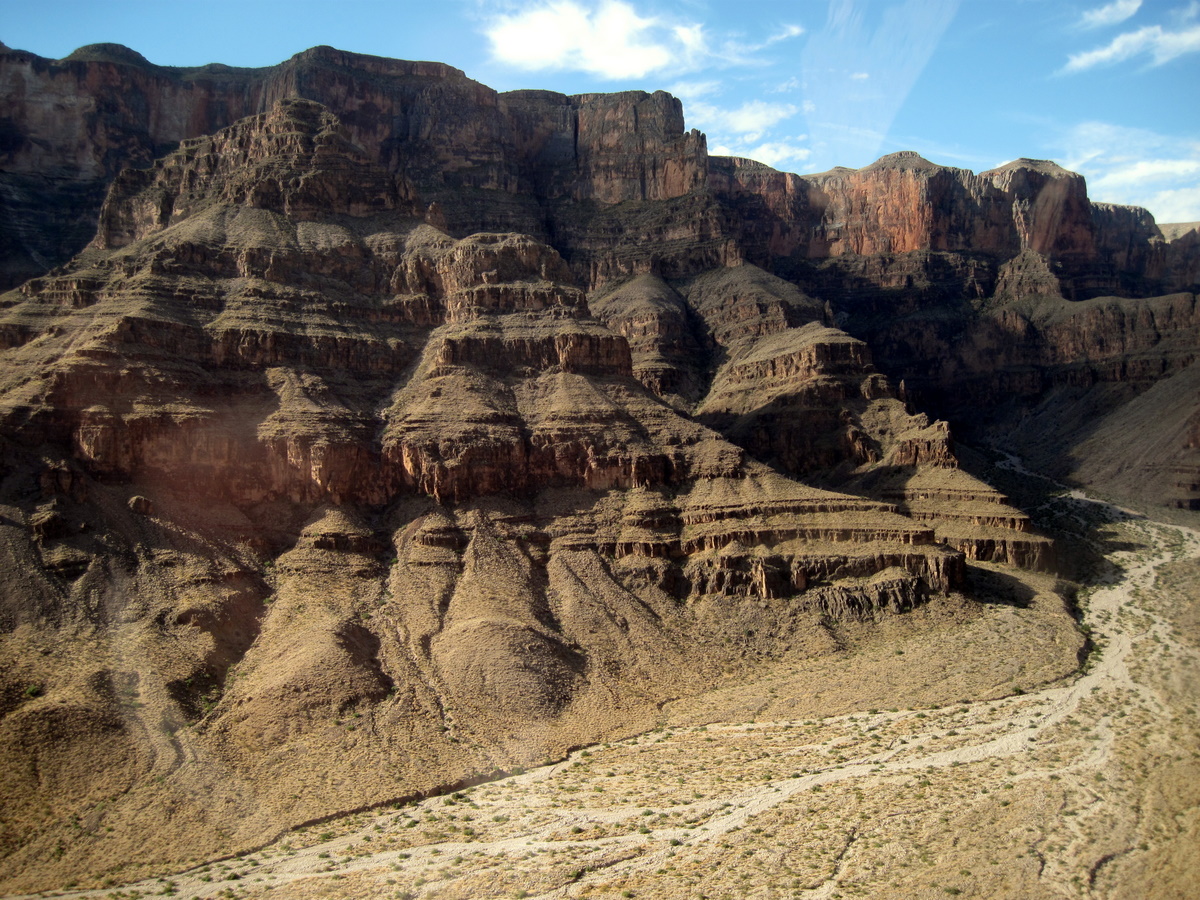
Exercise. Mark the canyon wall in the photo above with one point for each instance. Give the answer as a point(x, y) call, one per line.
point(549, 165)
point(71, 126)
point(366, 431)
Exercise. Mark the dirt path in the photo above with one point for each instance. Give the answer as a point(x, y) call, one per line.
point(1026, 796)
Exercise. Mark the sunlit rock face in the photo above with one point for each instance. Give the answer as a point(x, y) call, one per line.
point(366, 430)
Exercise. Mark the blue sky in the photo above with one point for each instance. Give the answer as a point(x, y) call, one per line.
point(1109, 88)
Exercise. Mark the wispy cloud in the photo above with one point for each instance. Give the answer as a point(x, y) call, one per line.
point(1175, 205)
point(1111, 14)
point(690, 90)
point(781, 154)
point(784, 154)
point(735, 51)
point(785, 33)
point(1137, 167)
point(1159, 44)
point(748, 121)
point(748, 129)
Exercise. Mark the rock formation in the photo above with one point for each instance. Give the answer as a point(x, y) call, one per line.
point(72, 125)
point(368, 431)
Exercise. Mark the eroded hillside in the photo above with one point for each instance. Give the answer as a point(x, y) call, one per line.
point(364, 455)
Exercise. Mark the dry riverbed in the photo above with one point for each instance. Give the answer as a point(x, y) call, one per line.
point(1088, 786)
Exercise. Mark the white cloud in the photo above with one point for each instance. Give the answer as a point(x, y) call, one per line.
point(792, 84)
point(1162, 46)
point(1137, 167)
point(784, 154)
point(1179, 205)
point(748, 120)
point(611, 39)
point(778, 154)
point(607, 39)
point(860, 76)
point(691, 37)
point(757, 115)
point(745, 131)
point(1112, 14)
point(738, 52)
point(1141, 171)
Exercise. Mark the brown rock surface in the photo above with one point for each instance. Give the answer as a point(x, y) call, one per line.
point(317, 506)
point(653, 318)
point(391, 431)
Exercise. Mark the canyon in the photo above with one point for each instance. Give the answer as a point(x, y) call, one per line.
point(368, 433)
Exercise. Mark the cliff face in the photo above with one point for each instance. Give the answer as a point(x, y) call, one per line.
point(990, 294)
point(548, 165)
point(903, 204)
point(72, 125)
point(389, 430)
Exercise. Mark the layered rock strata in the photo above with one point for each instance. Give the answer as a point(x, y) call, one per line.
point(391, 431)
point(306, 492)
point(72, 125)
point(907, 253)
point(806, 398)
